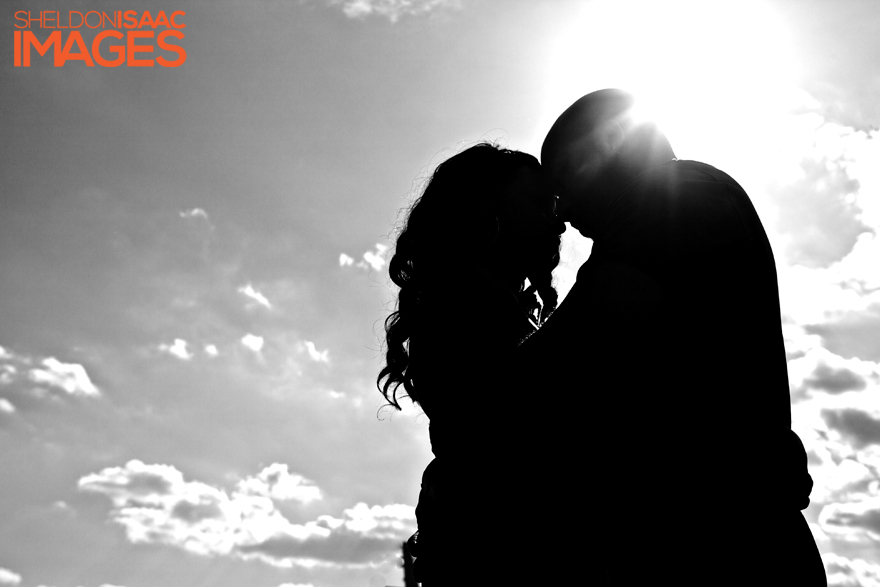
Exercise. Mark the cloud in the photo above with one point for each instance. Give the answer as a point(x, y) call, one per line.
point(193, 213)
point(197, 217)
point(362, 535)
point(839, 475)
point(155, 504)
point(321, 357)
point(830, 295)
point(211, 350)
point(277, 483)
point(374, 259)
point(7, 372)
point(70, 377)
point(855, 521)
point(852, 334)
point(842, 309)
point(843, 572)
point(859, 270)
point(392, 9)
point(6, 406)
point(818, 215)
point(179, 349)
point(249, 291)
point(62, 506)
point(835, 380)
point(854, 424)
point(821, 370)
point(8, 577)
point(253, 342)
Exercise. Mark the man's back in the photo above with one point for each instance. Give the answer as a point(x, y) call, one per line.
point(670, 345)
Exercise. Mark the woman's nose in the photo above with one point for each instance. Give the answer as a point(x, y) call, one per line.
point(558, 226)
point(562, 206)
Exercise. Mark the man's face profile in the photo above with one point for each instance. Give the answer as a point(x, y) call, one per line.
point(575, 165)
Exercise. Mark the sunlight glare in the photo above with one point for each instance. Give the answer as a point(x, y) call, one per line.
point(711, 74)
point(716, 76)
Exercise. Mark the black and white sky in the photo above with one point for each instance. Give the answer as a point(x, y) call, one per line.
point(192, 262)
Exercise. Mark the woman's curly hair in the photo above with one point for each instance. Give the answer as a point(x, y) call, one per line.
point(457, 205)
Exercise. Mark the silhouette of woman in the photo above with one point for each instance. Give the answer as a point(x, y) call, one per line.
point(484, 225)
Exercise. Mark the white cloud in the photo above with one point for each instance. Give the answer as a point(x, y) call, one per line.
point(179, 349)
point(211, 349)
point(821, 370)
point(852, 334)
point(62, 506)
point(829, 219)
point(70, 377)
point(277, 483)
point(819, 218)
point(6, 406)
point(844, 481)
point(860, 270)
point(6, 374)
point(376, 259)
point(194, 213)
point(838, 305)
point(4, 354)
point(8, 577)
point(156, 504)
point(861, 161)
point(845, 286)
point(321, 357)
point(858, 426)
point(362, 535)
point(197, 217)
point(843, 572)
point(392, 9)
point(249, 291)
point(253, 342)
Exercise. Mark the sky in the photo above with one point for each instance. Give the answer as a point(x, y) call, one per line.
point(193, 261)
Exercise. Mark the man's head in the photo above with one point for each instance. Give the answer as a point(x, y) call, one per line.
point(593, 149)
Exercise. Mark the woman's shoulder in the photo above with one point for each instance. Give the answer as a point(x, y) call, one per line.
point(475, 303)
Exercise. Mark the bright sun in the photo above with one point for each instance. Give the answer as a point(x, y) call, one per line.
point(717, 76)
point(710, 73)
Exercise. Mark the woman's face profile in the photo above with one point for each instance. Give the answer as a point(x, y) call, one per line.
point(528, 228)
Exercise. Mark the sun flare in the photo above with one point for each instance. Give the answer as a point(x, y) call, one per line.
point(709, 73)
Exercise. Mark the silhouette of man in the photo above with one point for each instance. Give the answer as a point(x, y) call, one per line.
point(669, 356)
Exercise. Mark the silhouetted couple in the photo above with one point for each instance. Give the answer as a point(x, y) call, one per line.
point(642, 435)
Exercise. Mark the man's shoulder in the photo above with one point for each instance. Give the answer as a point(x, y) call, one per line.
point(682, 175)
point(699, 171)
point(679, 191)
